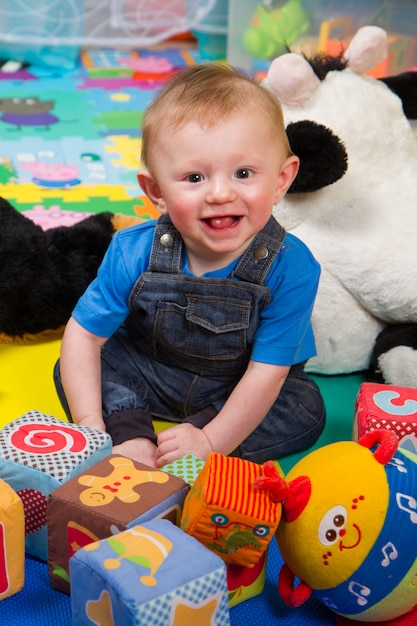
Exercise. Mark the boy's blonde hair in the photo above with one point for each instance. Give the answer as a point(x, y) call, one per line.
point(205, 94)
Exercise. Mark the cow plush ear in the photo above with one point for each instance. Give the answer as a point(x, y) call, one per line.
point(323, 157)
point(405, 86)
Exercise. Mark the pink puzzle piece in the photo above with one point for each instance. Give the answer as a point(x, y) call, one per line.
point(54, 216)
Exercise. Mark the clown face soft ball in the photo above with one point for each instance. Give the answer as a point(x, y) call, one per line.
point(349, 529)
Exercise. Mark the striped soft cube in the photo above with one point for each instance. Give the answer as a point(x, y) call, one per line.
point(227, 513)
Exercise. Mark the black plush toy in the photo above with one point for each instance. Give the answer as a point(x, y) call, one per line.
point(43, 272)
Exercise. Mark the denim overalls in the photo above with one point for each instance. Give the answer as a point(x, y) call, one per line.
point(188, 341)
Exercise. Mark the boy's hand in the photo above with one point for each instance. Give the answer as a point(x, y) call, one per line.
point(179, 441)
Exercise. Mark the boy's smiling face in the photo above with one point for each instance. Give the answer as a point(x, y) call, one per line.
point(218, 183)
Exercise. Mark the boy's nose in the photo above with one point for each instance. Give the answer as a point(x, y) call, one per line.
point(220, 191)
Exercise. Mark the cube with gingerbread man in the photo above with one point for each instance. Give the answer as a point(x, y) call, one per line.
point(107, 499)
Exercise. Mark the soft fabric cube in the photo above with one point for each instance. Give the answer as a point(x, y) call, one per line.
point(244, 583)
point(12, 542)
point(386, 406)
point(187, 467)
point(151, 574)
point(116, 494)
point(38, 453)
point(227, 513)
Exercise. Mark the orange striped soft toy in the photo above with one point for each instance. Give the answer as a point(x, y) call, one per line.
point(234, 508)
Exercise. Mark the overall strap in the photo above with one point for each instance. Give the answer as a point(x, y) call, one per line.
point(253, 266)
point(166, 248)
point(257, 259)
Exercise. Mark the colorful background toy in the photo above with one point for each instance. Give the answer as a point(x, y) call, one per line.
point(274, 27)
point(47, 269)
point(354, 203)
point(349, 529)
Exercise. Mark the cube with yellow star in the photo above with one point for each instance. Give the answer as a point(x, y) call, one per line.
point(151, 574)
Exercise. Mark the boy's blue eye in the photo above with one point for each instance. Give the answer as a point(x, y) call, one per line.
point(243, 173)
point(194, 178)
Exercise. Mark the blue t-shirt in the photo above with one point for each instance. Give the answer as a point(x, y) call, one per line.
point(284, 335)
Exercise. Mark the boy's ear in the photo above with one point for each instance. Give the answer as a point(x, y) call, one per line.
point(151, 188)
point(286, 177)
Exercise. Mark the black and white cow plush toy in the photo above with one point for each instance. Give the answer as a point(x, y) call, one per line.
point(354, 203)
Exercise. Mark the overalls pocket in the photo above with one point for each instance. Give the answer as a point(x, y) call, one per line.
point(207, 326)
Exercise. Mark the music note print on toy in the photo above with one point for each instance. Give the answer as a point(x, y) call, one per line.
point(354, 506)
point(398, 464)
point(410, 507)
point(361, 592)
point(390, 553)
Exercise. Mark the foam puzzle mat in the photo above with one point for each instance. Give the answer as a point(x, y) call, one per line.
point(70, 147)
point(70, 142)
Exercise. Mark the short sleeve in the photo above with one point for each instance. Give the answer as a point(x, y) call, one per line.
point(104, 305)
point(285, 334)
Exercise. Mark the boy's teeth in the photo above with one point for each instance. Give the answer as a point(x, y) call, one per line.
point(221, 222)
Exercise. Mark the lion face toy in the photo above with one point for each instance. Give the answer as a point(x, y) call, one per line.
point(349, 529)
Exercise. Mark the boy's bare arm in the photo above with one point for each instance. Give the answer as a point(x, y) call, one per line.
point(246, 406)
point(81, 374)
point(244, 410)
